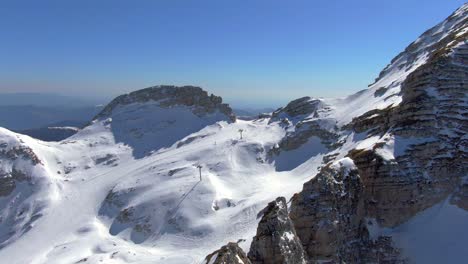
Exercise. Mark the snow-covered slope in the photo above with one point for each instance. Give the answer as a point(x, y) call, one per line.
point(127, 189)
point(27, 187)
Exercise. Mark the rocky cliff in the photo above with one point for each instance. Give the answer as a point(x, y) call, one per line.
point(276, 241)
point(230, 253)
point(169, 96)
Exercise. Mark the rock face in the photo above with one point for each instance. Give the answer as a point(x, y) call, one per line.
point(9, 180)
point(307, 129)
point(330, 219)
point(276, 241)
point(170, 96)
point(19, 152)
point(328, 214)
point(302, 106)
point(303, 124)
point(326, 224)
point(228, 254)
point(10, 176)
point(428, 132)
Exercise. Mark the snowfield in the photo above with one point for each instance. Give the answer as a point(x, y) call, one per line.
point(179, 218)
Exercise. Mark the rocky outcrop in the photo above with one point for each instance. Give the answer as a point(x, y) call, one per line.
point(7, 184)
point(374, 122)
point(8, 181)
point(304, 131)
point(301, 120)
point(326, 224)
point(168, 96)
point(276, 241)
point(9, 177)
point(383, 179)
point(328, 214)
point(302, 106)
point(324, 130)
point(381, 250)
point(228, 254)
point(17, 152)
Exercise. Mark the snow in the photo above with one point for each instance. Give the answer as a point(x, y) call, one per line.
point(186, 218)
point(142, 126)
point(436, 235)
point(346, 163)
point(76, 222)
point(289, 236)
point(65, 128)
point(442, 230)
point(126, 189)
point(239, 260)
point(289, 160)
point(213, 259)
point(389, 145)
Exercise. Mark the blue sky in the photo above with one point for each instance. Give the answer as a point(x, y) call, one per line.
point(249, 52)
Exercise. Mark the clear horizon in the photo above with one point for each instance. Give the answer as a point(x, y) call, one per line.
point(253, 54)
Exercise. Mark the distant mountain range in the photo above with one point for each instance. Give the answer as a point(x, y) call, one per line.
point(48, 100)
point(23, 117)
point(34, 113)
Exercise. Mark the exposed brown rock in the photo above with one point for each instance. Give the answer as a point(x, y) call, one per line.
point(20, 152)
point(7, 184)
point(168, 96)
point(276, 241)
point(228, 254)
point(433, 113)
point(328, 215)
point(302, 106)
point(380, 251)
point(390, 195)
point(9, 179)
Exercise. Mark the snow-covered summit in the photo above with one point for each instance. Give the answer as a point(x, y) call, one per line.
point(386, 90)
point(168, 96)
point(157, 117)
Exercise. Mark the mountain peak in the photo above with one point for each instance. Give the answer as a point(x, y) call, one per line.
point(169, 96)
point(429, 45)
point(157, 117)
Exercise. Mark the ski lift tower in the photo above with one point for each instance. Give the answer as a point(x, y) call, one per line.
point(199, 170)
point(240, 132)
